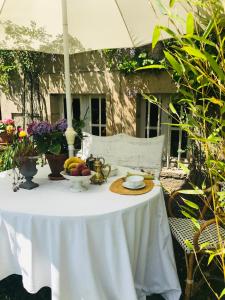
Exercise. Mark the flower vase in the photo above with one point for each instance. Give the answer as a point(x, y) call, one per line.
point(27, 167)
point(56, 164)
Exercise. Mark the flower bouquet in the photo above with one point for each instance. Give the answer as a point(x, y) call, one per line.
point(7, 129)
point(51, 141)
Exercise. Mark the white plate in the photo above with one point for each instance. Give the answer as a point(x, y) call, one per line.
point(127, 186)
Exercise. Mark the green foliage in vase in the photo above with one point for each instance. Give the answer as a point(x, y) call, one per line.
point(196, 63)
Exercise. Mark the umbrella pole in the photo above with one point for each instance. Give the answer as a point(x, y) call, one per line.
point(70, 133)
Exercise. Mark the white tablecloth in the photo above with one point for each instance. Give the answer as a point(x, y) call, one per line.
point(94, 245)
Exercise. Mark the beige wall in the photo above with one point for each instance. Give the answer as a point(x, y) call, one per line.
point(89, 75)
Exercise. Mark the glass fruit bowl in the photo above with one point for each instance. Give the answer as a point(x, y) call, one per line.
point(78, 183)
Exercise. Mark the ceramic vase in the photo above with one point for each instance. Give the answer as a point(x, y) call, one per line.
point(56, 163)
point(27, 167)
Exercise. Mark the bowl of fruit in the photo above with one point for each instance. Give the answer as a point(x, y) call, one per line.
point(77, 172)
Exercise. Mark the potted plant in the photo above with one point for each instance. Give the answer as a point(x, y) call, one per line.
point(7, 128)
point(51, 141)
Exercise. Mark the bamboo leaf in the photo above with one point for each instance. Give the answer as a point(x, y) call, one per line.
point(222, 293)
point(216, 101)
point(186, 214)
point(172, 108)
point(192, 192)
point(222, 111)
point(194, 52)
point(155, 36)
point(184, 168)
point(203, 40)
point(190, 25)
point(191, 204)
point(151, 67)
point(196, 224)
point(189, 244)
point(174, 63)
point(204, 245)
point(216, 68)
point(172, 2)
point(209, 28)
point(211, 258)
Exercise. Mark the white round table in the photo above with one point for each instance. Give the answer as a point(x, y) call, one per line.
point(94, 245)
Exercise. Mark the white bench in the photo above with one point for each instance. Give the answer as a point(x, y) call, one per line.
point(127, 151)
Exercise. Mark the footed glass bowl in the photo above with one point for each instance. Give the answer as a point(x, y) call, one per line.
point(78, 183)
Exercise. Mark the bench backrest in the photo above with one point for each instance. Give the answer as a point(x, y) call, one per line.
point(125, 150)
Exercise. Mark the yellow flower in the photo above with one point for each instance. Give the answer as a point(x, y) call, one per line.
point(22, 134)
point(9, 128)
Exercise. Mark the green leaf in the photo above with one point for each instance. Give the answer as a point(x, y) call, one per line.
point(155, 36)
point(194, 52)
point(211, 258)
point(55, 149)
point(151, 67)
point(190, 24)
point(172, 2)
point(189, 244)
point(216, 101)
point(203, 40)
point(196, 224)
point(184, 168)
point(177, 66)
point(191, 204)
point(172, 108)
point(186, 214)
point(222, 293)
point(204, 245)
point(192, 192)
point(209, 28)
point(216, 68)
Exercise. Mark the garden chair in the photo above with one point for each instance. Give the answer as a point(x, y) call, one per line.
point(183, 230)
point(127, 151)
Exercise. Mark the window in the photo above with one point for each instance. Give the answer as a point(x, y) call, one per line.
point(151, 121)
point(93, 108)
point(98, 116)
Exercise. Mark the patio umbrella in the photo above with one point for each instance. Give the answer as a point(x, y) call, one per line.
point(71, 26)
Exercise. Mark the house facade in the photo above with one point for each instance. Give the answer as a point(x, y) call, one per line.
point(110, 101)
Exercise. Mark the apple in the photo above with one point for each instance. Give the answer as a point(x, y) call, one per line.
point(75, 172)
point(86, 172)
point(81, 166)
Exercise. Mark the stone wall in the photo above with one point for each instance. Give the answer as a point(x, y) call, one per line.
point(90, 75)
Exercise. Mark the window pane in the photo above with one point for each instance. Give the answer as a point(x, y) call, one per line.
point(153, 115)
point(65, 112)
point(152, 132)
point(146, 113)
point(103, 111)
point(146, 133)
point(174, 142)
point(103, 131)
point(95, 130)
point(184, 144)
point(76, 108)
point(95, 111)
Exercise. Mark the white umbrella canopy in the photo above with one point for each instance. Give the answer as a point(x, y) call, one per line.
point(92, 24)
point(71, 26)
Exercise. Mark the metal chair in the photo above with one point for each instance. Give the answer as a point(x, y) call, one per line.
point(127, 151)
point(184, 230)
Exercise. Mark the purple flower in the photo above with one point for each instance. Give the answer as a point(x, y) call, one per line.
point(60, 125)
point(39, 128)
